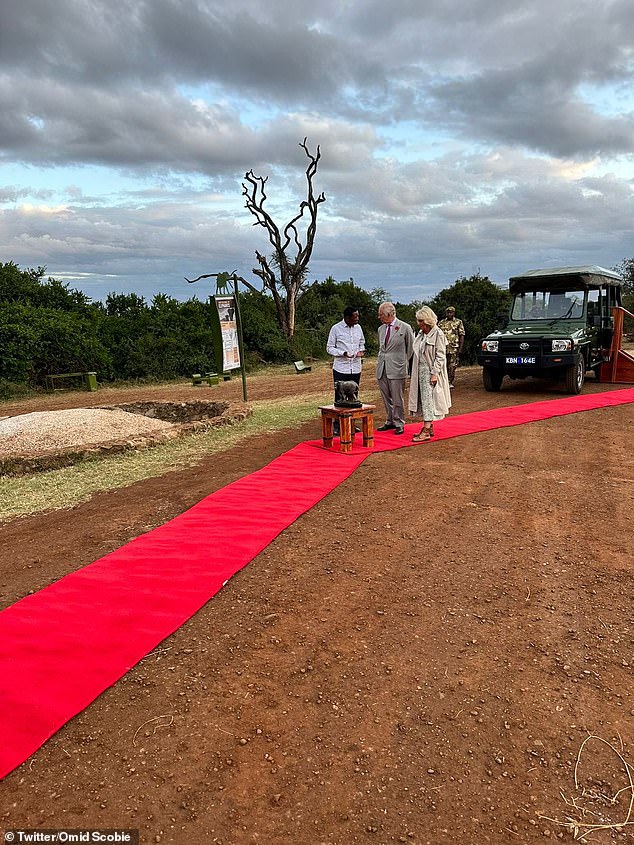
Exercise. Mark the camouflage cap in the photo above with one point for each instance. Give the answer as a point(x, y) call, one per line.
point(450, 308)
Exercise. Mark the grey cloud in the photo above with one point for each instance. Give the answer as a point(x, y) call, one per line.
point(142, 129)
point(287, 61)
point(152, 130)
point(99, 76)
point(159, 242)
point(542, 114)
point(164, 41)
point(90, 82)
point(15, 193)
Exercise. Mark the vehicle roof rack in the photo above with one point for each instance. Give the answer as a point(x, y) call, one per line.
point(562, 278)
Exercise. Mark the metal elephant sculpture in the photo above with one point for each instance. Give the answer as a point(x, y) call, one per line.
point(347, 394)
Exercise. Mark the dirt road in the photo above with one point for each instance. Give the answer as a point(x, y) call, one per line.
point(417, 659)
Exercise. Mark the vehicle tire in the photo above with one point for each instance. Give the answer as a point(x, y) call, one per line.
point(575, 376)
point(492, 379)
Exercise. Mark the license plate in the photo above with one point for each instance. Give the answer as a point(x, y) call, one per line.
point(520, 360)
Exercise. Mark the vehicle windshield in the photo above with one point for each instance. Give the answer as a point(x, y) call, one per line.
point(548, 305)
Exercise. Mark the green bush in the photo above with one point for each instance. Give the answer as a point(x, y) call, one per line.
point(477, 301)
point(12, 389)
point(45, 327)
point(322, 306)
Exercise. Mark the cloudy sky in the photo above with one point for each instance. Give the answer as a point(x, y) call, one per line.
point(456, 136)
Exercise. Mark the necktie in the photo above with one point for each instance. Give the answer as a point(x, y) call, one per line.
point(387, 334)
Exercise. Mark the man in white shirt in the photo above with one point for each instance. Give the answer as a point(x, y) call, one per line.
point(346, 344)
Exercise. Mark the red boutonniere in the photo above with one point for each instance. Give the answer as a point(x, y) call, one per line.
point(396, 328)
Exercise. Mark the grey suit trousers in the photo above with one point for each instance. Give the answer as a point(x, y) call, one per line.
point(392, 391)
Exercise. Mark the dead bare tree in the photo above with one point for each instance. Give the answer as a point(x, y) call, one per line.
point(284, 273)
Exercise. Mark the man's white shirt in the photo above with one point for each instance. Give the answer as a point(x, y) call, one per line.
point(344, 339)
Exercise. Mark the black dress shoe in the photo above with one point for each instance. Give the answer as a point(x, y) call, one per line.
point(398, 431)
point(385, 427)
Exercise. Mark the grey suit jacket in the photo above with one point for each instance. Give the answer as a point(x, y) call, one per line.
point(392, 362)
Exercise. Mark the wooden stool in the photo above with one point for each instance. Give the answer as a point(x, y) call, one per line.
point(345, 418)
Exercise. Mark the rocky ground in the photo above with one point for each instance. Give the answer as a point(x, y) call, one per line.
point(420, 658)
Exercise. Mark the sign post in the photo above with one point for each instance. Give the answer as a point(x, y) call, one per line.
point(240, 340)
point(226, 325)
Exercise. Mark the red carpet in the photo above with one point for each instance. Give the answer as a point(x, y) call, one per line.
point(495, 418)
point(63, 646)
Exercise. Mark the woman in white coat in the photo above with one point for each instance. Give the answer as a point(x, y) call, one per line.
point(429, 394)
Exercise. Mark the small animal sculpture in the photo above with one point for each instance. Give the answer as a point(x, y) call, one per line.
point(222, 284)
point(347, 394)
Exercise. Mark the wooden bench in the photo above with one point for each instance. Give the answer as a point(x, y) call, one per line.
point(345, 417)
point(199, 379)
point(209, 378)
point(86, 381)
point(300, 367)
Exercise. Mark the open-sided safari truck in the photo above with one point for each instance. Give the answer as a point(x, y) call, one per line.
point(562, 322)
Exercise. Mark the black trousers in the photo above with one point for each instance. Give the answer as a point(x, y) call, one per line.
point(337, 376)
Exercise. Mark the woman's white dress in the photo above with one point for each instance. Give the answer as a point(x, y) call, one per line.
point(430, 357)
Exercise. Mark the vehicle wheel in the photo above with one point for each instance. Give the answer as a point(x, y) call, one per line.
point(492, 379)
point(575, 376)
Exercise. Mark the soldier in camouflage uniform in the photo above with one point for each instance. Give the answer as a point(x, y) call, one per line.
point(453, 330)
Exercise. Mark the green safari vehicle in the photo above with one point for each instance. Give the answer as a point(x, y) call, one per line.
point(560, 325)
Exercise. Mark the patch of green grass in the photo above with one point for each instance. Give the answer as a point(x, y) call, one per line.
point(70, 486)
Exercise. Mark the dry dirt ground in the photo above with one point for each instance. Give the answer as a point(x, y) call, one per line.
point(419, 658)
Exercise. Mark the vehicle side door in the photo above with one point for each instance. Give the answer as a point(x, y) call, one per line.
point(595, 305)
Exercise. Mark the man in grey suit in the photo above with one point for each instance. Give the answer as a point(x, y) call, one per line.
point(396, 340)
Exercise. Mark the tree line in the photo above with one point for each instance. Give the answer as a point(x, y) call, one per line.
point(47, 327)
